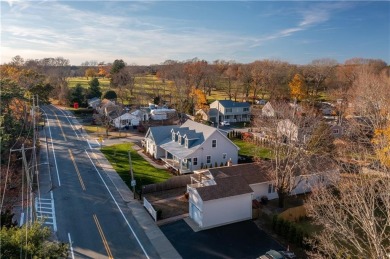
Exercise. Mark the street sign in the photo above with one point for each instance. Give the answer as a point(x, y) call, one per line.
point(133, 183)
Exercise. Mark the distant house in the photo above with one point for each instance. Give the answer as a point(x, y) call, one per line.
point(202, 114)
point(288, 131)
point(280, 109)
point(105, 106)
point(94, 102)
point(227, 110)
point(268, 110)
point(191, 146)
point(141, 114)
point(125, 120)
point(224, 195)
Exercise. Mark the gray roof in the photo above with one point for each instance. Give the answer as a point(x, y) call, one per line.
point(161, 133)
point(252, 173)
point(196, 131)
point(225, 187)
point(230, 104)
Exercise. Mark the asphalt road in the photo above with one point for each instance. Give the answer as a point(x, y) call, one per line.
point(79, 201)
point(238, 240)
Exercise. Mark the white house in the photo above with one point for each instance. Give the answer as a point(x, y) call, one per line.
point(125, 120)
point(268, 110)
point(227, 110)
point(162, 114)
point(94, 102)
point(191, 146)
point(224, 195)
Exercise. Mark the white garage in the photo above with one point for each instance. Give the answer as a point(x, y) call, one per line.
point(226, 201)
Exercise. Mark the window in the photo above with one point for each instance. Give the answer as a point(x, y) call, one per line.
point(224, 155)
point(208, 159)
point(214, 143)
point(228, 109)
point(245, 109)
point(335, 131)
point(195, 161)
point(186, 142)
point(179, 140)
point(173, 136)
point(271, 188)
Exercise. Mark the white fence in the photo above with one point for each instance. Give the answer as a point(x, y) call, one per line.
point(148, 206)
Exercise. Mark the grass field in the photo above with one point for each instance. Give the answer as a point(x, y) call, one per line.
point(144, 173)
point(148, 85)
point(251, 150)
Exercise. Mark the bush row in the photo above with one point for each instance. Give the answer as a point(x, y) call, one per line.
point(290, 231)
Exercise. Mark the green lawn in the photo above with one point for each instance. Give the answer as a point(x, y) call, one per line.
point(73, 81)
point(144, 173)
point(251, 149)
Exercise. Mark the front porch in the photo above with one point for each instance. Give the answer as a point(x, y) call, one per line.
point(178, 164)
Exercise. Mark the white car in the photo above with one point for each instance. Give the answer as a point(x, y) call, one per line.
point(225, 123)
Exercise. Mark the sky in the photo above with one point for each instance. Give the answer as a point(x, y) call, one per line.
point(150, 32)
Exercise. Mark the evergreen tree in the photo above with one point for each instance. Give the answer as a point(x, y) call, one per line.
point(94, 89)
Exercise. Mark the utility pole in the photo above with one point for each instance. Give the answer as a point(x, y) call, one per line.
point(29, 183)
point(133, 182)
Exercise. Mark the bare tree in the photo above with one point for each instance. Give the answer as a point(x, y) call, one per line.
point(355, 215)
point(296, 136)
point(317, 73)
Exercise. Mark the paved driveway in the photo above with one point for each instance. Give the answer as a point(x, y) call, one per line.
point(239, 240)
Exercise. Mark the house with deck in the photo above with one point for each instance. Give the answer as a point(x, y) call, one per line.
point(190, 147)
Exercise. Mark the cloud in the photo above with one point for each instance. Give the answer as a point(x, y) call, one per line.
point(311, 15)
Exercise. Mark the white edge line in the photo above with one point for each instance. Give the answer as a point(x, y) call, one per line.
point(70, 246)
point(66, 116)
point(54, 154)
point(127, 222)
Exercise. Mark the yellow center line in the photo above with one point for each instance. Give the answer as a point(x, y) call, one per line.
point(77, 170)
point(103, 237)
point(59, 123)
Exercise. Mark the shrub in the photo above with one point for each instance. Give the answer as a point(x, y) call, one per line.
point(274, 221)
point(264, 200)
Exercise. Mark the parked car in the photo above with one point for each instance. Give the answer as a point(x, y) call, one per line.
point(225, 123)
point(272, 254)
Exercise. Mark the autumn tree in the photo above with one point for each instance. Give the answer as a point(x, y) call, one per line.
point(195, 71)
point(245, 78)
point(199, 98)
point(316, 74)
point(90, 72)
point(381, 143)
point(297, 88)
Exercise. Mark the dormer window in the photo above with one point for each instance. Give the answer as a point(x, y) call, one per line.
point(186, 142)
point(179, 140)
point(173, 136)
